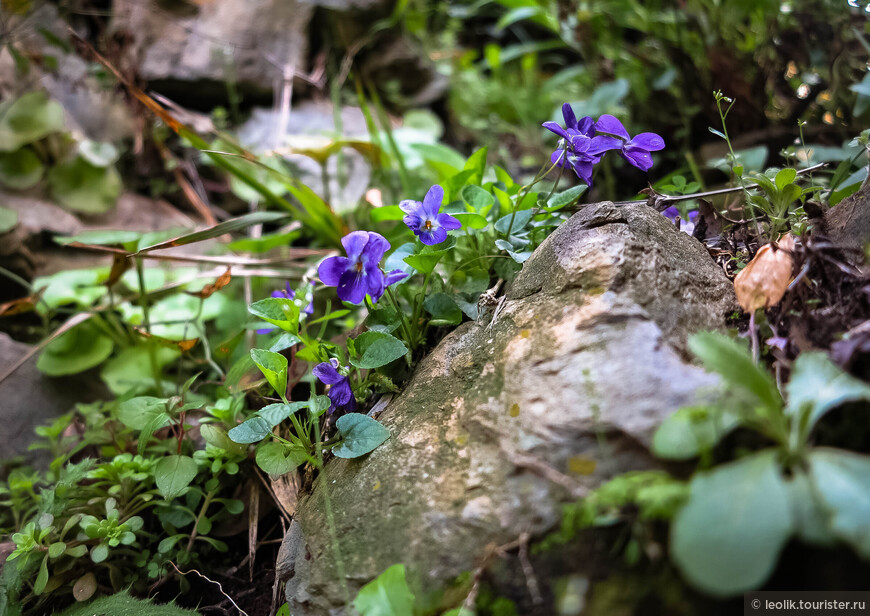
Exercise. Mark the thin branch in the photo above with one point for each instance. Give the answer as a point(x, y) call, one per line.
point(657, 200)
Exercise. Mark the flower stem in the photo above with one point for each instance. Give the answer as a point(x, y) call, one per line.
point(405, 327)
point(418, 304)
point(152, 351)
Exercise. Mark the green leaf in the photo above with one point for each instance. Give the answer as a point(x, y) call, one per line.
point(280, 311)
point(817, 385)
point(27, 119)
point(267, 242)
point(386, 595)
point(154, 423)
point(173, 474)
point(471, 220)
point(478, 199)
point(100, 237)
point(99, 553)
point(388, 212)
point(727, 538)
point(566, 198)
point(376, 349)
point(691, 431)
point(842, 481)
point(122, 604)
point(278, 459)
point(318, 405)
point(439, 153)
point(476, 163)
point(42, 577)
point(98, 154)
point(811, 518)
point(216, 436)
point(274, 368)
point(785, 177)
point(74, 351)
point(360, 435)
point(78, 185)
point(520, 219)
point(136, 412)
point(20, 169)
point(733, 362)
point(8, 219)
point(285, 341)
point(443, 309)
point(56, 549)
point(228, 226)
point(428, 257)
point(252, 430)
point(130, 370)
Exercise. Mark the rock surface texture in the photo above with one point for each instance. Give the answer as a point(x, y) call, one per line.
point(501, 425)
point(248, 39)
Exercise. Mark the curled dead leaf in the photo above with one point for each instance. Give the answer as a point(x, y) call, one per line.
point(22, 304)
point(181, 345)
point(120, 263)
point(210, 289)
point(763, 282)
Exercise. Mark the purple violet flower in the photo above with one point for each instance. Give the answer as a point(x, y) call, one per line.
point(687, 226)
point(580, 149)
point(425, 221)
point(287, 293)
point(359, 272)
point(635, 150)
point(340, 393)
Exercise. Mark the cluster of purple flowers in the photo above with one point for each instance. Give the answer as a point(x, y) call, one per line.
point(360, 273)
point(584, 142)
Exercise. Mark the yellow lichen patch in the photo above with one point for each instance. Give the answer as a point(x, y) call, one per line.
point(514, 410)
point(525, 333)
point(377, 486)
point(581, 466)
point(461, 439)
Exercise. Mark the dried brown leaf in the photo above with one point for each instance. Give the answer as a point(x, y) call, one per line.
point(763, 282)
point(22, 304)
point(181, 345)
point(210, 289)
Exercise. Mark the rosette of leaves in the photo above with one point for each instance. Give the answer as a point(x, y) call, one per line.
point(738, 516)
point(111, 531)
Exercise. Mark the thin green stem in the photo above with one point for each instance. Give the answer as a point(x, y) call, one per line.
point(525, 189)
point(143, 301)
point(405, 327)
point(418, 304)
point(16, 278)
point(202, 510)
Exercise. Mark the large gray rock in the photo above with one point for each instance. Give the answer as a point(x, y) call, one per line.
point(251, 40)
point(848, 222)
point(498, 427)
point(29, 399)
